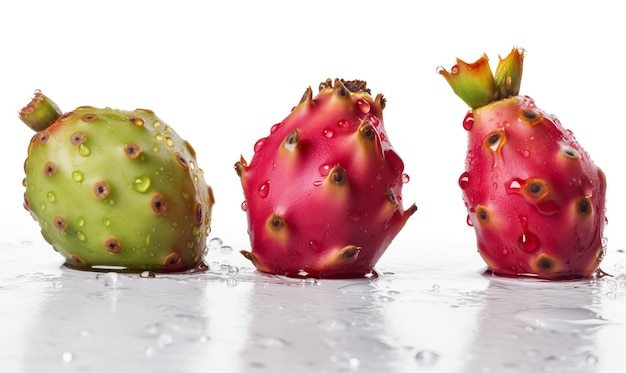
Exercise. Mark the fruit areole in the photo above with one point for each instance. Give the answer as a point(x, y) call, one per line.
point(535, 198)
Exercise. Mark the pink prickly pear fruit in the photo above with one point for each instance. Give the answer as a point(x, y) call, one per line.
point(323, 192)
point(114, 189)
point(535, 198)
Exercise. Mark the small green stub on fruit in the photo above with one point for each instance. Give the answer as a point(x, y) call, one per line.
point(40, 112)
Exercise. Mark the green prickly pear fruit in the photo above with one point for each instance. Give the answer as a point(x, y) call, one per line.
point(115, 189)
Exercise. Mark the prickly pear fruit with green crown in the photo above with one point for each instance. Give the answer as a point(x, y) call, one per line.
point(115, 189)
point(535, 198)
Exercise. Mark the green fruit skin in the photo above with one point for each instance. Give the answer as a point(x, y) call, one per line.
point(118, 189)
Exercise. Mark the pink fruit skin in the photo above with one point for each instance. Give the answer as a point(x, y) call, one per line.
point(323, 192)
point(534, 196)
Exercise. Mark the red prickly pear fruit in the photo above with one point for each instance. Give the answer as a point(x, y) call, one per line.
point(323, 192)
point(535, 198)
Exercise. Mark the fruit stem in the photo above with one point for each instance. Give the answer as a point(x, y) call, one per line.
point(40, 112)
point(475, 84)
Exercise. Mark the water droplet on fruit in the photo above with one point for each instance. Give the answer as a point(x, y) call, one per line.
point(328, 133)
point(80, 236)
point(324, 170)
point(142, 184)
point(80, 222)
point(468, 220)
point(363, 105)
point(259, 144)
point(106, 222)
point(525, 153)
point(468, 122)
point(215, 243)
point(342, 123)
point(275, 127)
point(405, 178)
point(155, 149)
point(169, 141)
point(264, 189)
point(354, 216)
point(147, 239)
point(51, 196)
point(313, 246)
point(84, 150)
point(464, 180)
point(244, 205)
point(528, 242)
point(77, 176)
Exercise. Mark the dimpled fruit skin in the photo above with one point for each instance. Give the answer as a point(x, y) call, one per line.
point(323, 192)
point(118, 188)
point(535, 198)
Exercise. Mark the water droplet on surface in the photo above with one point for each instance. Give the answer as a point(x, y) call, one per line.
point(405, 178)
point(363, 105)
point(169, 141)
point(342, 123)
point(270, 342)
point(244, 205)
point(142, 184)
point(80, 236)
point(51, 196)
point(468, 220)
point(80, 221)
point(111, 280)
point(225, 249)
point(67, 357)
point(426, 358)
point(364, 287)
point(328, 133)
point(147, 274)
point(215, 243)
point(525, 153)
point(264, 189)
point(561, 319)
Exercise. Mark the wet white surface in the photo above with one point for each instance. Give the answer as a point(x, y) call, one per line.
point(221, 74)
point(422, 314)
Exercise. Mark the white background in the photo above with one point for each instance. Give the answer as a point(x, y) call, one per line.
point(221, 73)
